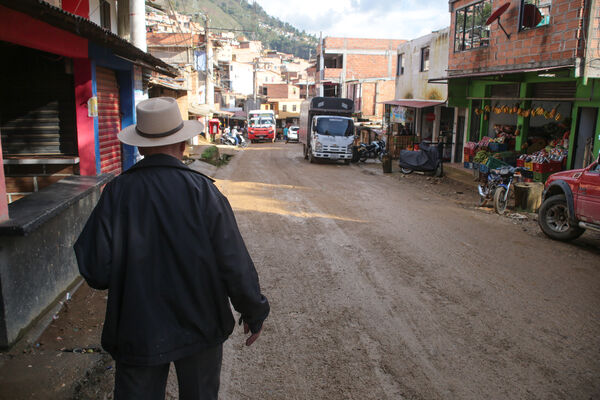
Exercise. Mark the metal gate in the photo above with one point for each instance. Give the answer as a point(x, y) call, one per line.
point(109, 121)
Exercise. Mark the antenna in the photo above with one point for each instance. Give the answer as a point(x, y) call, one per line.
point(496, 16)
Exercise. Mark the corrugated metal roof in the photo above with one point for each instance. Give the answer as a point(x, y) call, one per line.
point(85, 28)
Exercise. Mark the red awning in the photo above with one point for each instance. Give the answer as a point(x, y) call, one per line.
point(415, 103)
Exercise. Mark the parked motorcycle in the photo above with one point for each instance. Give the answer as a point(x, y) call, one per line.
point(497, 187)
point(426, 159)
point(374, 150)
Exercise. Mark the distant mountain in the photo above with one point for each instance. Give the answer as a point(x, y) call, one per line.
point(254, 21)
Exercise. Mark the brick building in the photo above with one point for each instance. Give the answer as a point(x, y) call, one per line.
point(546, 59)
point(363, 70)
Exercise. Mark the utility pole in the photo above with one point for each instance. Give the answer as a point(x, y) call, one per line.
point(209, 96)
point(321, 66)
point(309, 56)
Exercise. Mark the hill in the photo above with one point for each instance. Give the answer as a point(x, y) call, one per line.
point(255, 23)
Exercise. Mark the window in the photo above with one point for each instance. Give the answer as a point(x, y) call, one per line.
point(264, 90)
point(105, 14)
point(294, 107)
point(470, 31)
point(534, 13)
point(425, 59)
point(284, 108)
point(400, 66)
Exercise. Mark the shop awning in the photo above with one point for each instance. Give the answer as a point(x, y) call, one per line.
point(459, 74)
point(413, 103)
point(201, 109)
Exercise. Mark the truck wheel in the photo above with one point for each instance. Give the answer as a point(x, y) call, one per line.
point(406, 171)
point(553, 218)
point(347, 162)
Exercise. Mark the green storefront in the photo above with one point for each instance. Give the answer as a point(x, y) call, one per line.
point(552, 105)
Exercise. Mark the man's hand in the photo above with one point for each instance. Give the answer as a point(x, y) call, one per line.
point(252, 337)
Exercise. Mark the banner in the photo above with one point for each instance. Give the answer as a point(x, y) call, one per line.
point(402, 115)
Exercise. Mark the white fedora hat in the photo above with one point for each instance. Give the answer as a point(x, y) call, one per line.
point(159, 123)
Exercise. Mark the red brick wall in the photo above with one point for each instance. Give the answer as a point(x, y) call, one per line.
point(282, 91)
point(370, 44)
point(386, 89)
point(555, 44)
point(360, 66)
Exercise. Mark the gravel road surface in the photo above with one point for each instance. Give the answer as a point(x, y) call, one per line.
point(383, 288)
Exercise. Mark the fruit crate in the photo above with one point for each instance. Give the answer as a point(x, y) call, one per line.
point(468, 165)
point(552, 166)
point(468, 158)
point(493, 163)
point(529, 166)
point(520, 163)
point(483, 168)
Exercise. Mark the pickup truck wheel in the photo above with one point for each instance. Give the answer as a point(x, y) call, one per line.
point(553, 218)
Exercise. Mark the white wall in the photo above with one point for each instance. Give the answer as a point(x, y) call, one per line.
point(95, 14)
point(414, 83)
point(241, 75)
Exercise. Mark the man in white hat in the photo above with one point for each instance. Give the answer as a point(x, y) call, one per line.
point(164, 241)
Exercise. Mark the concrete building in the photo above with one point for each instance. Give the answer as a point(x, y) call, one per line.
point(419, 107)
point(360, 69)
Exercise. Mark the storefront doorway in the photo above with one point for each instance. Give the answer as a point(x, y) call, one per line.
point(584, 142)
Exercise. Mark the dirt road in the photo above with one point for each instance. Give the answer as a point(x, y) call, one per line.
point(382, 288)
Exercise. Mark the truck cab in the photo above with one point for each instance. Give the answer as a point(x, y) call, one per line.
point(327, 129)
point(331, 138)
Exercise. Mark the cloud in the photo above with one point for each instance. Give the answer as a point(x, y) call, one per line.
point(400, 19)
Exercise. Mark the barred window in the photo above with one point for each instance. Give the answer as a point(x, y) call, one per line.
point(470, 31)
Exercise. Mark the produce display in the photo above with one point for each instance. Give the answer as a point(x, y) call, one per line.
point(523, 112)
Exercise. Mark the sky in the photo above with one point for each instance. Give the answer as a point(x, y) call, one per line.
point(386, 19)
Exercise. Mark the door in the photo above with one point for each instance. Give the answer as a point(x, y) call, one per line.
point(109, 121)
point(584, 142)
point(588, 195)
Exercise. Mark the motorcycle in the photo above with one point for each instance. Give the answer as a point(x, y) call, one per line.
point(227, 139)
point(426, 159)
point(497, 187)
point(374, 150)
point(242, 142)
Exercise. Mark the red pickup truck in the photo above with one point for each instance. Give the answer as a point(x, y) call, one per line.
point(571, 203)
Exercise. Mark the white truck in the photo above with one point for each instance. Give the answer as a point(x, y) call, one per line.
point(327, 128)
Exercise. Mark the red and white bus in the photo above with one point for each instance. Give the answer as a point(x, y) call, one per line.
point(261, 125)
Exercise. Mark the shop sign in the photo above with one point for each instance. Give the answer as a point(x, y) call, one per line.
point(402, 115)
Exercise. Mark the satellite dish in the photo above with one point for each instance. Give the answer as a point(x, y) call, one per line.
point(531, 16)
point(496, 16)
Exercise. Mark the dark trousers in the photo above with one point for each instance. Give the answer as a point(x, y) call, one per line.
point(198, 377)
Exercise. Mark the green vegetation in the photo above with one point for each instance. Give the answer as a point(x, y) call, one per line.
point(254, 21)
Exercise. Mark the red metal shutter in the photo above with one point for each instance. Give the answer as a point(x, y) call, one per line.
point(109, 121)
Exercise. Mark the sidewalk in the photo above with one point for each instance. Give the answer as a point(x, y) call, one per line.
point(66, 356)
point(457, 172)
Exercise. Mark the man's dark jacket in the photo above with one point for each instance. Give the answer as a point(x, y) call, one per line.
point(164, 241)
